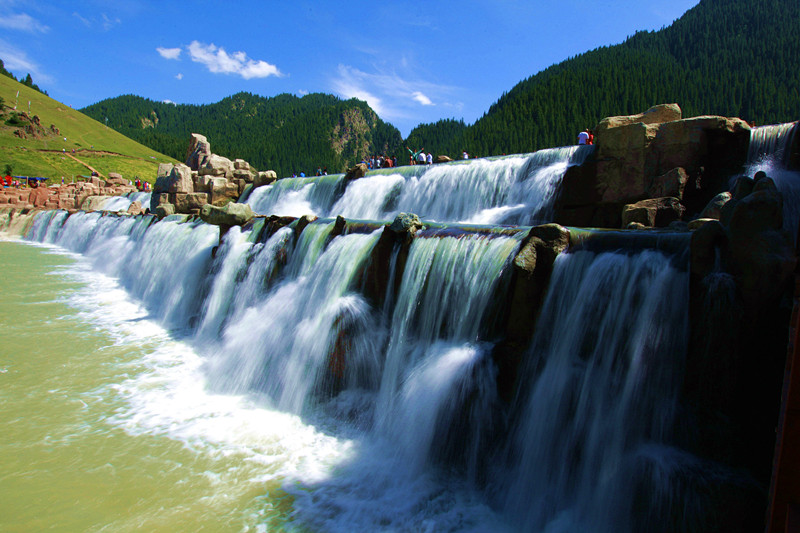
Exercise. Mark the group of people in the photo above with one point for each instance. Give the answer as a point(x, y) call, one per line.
point(420, 157)
point(586, 137)
point(380, 161)
point(142, 185)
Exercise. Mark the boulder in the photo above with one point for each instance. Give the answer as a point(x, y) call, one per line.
point(245, 175)
point(173, 179)
point(655, 115)
point(406, 223)
point(232, 214)
point(135, 208)
point(38, 196)
point(188, 202)
point(91, 203)
point(267, 177)
point(632, 156)
point(115, 178)
point(654, 212)
point(198, 152)
point(216, 165)
point(442, 159)
point(714, 208)
point(223, 191)
point(358, 171)
point(164, 210)
point(241, 164)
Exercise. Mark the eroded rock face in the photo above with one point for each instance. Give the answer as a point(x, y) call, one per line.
point(198, 152)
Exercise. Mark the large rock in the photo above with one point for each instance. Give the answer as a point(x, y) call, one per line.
point(653, 212)
point(190, 202)
point(114, 178)
point(714, 208)
point(760, 253)
point(216, 165)
point(164, 210)
point(92, 203)
point(198, 152)
point(223, 191)
point(632, 155)
point(655, 115)
point(358, 171)
point(37, 197)
point(406, 223)
point(232, 214)
point(135, 208)
point(267, 177)
point(173, 179)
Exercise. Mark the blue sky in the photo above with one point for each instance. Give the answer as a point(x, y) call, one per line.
point(412, 62)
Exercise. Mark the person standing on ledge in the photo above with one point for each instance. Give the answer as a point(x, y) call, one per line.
point(583, 137)
point(414, 155)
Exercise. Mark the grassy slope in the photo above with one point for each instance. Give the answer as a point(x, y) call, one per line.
point(111, 152)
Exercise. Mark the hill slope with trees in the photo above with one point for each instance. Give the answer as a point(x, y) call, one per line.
point(724, 57)
point(284, 133)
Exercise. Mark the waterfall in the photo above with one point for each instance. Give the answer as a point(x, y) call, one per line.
point(769, 152)
point(122, 203)
point(409, 386)
point(770, 142)
point(599, 393)
point(297, 196)
point(515, 189)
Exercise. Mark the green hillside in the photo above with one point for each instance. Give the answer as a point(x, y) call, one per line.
point(283, 133)
point(726, 57)
point(39, 150)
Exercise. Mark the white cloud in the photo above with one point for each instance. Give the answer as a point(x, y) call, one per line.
point(218, 61)
point(179, 76)
point(109, 23)
point(22, 22)
point(86, 22)
point(387, 93)
point(421, 98)
point(169, 53)
point(17, 61)
point(302, 92)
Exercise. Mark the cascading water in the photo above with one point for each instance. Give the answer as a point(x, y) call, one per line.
point(405, 393)
point(598, 394)
point(297, 196)
point(122, 203)
point(768, 152)
point(516, 189)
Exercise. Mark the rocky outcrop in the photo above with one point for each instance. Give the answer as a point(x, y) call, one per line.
point(651, 155)
point(198, 153)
